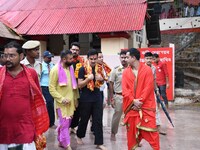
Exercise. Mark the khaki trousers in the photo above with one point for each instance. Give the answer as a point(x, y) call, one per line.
point(117, 113)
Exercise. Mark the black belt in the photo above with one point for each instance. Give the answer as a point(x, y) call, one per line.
point(19, 147)
point(118, 93)
point(45, 86)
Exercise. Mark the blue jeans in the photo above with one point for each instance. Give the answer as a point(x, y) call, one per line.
point(162, 91)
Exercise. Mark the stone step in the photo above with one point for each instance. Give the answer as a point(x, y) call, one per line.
point(191, 77)
point(196, 44)
point(179, 92)
point(192, 70)
point(190, 57)
point(184, 63)
point(181, 60)
point(185, 59)
point(189, 49)
point(194, 52)
point(188, 84)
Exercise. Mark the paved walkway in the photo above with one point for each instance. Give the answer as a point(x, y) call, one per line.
point(185, 135)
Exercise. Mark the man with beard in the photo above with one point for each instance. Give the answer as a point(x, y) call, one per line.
point(78, 61)
point(20, 99)
point(89, 81)
point(115, 85)
point(47, 65)
point(77, 64)
point(32, 48)
point(63, 88)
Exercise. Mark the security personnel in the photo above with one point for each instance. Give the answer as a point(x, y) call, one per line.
point(32, 48)
point(116, 89)
point(47, 65)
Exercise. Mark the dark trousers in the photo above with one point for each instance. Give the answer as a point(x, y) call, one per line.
point(49, 104)
point(102, 98)
point(76, 118)
point(96, 110)
point(162, 90)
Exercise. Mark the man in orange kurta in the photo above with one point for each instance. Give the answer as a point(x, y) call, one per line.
point(139, 102)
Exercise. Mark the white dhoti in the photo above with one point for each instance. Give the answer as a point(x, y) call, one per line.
point(26, 146)
point(158, 120)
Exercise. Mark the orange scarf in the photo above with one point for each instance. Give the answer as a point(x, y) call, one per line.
point(104, 68)
point(79, 64)
point(98, 70)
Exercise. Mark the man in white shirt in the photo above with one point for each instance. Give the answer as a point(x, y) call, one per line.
point(32, 52)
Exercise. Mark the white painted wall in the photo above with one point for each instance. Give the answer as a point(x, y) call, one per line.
point(179, 23)
point(111, 46)
point(140, 38)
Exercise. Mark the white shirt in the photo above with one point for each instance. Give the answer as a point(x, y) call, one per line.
point(37, 65)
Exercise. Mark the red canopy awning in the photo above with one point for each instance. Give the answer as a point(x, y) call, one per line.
point(44, 17)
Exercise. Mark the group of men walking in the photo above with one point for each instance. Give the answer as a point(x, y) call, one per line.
point(74, 86)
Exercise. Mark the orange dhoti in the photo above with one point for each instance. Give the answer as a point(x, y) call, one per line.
point(138, 129)
point(141, 124)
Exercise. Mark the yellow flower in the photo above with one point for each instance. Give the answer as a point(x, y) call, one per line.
point(78, 66)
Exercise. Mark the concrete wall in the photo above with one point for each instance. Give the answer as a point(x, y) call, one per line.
point(111, 46)
point(139, 38)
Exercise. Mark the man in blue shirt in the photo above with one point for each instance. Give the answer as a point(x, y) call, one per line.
point(44, 83)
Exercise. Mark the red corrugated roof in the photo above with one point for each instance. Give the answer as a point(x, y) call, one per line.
point(38, 17)
point(193, 2)
point(6, 32)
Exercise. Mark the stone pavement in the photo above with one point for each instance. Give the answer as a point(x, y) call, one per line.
point(184, 136)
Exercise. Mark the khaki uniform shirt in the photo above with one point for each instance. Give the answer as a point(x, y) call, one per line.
point(37, 66)
point(116, 78)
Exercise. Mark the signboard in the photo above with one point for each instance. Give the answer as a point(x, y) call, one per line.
point(166, 55)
